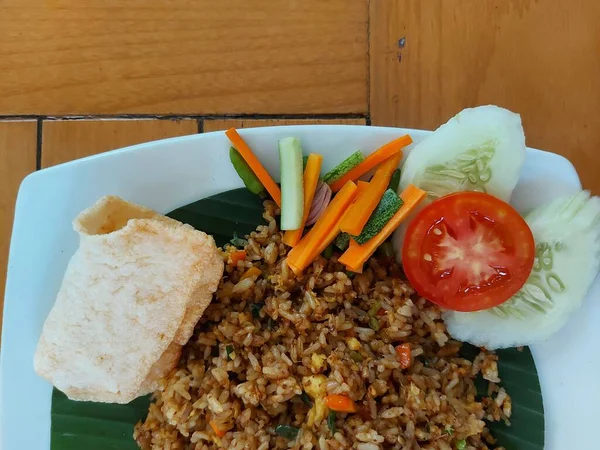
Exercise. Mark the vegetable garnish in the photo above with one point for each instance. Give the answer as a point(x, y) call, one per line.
point(480, 149)
point(331, 421)
point(311, 179)
point(468, 251)
point(357, 255)
point(306, 399)
point(238, 241)
point(342, 241)
point(255, 309)
point(567, 259)
point(244, 171)
point(238, 255)
point(360, 212)
point(389, 204)
point(219, 432)
point(344, 167)
point(320, 201)
point(395, 181)
point(251, 272)
point(404, 355)
point(324, 231)
point(292, 191)
point(374, 159)
point(287, 431)
point(328, 252)
point(258, 169)
point(340, 403)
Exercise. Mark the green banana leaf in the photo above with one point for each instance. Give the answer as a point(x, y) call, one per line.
point(101, 426)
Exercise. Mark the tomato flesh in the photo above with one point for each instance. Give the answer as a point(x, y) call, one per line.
point(468, 251)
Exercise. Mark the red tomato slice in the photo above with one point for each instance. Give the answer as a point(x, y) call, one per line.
point(468, 251)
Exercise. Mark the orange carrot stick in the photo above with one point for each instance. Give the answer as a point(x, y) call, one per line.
point(375, 158)
point(357, 255)
point(258, 169)
point(324, 231)
point(361, 185)
point(311, 179)
point(359, 213)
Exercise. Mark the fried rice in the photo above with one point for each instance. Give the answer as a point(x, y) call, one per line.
point(272, 345)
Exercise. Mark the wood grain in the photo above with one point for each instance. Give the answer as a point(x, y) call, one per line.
point(430, 59)
point(18, 142)
point(62, 57)
point(66, 140)
point(224, 124)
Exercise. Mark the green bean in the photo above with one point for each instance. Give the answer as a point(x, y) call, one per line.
point(244, 171)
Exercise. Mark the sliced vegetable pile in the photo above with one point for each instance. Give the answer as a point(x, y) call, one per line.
point(501, 280)
point(338, 206)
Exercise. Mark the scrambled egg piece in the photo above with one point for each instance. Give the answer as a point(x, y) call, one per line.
point(316, 387)
point(353, 344)
point(318, 361)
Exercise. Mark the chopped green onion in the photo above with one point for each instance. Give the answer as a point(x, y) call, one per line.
point(238, 241)
point(255, 308)
point(229, 350)
point(374, 309)
point(287, 431)
point(449, 431)
point(331, 421)
point(304, 162)
point(306, 399)
point(374, 324)
point(460, 445)
point(356, 356)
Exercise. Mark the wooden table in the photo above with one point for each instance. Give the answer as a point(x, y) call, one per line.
point(78, 78)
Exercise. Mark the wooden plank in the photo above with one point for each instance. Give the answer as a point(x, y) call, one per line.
point(224, 124)
point(430, 59)
point(18, 143)
point(66, 140)
point(61, 57)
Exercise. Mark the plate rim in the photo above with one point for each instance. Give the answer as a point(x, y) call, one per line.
point(163, 145)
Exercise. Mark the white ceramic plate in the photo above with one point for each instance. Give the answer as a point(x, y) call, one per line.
point(167, 174)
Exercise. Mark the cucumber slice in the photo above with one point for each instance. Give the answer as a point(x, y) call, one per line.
point(567, 236)
point(292, 183)
point(389, 204)
point(344, 167)
point(480, 149)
